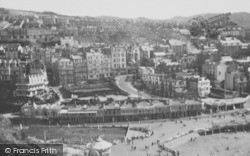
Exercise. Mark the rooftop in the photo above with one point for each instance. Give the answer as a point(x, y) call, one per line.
point(212, 101)
point(159, 53)
point(64, 60)
point(230, 40)
point(226, 59)
point(76, 57)
point(176, 42)
point(244, 60)
point(10, 45)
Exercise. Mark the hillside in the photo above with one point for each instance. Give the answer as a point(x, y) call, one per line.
point(182, 19)
point(242, 19)
point(14, 12)
point(8, 134)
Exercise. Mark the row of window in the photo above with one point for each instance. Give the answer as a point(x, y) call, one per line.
point(117, 112)
point(27, 37)
point(119, 66)
point(99, 62)
point(4, 77)
point(97, 57)
point(118, 60)
point(99, 76)
point(66, 72)
point(81, 114)
point(118, 55)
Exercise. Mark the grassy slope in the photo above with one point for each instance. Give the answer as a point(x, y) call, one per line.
point(242, 19)
point(8, 134)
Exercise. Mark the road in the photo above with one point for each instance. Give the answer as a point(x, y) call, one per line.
point(127, 87)
point(57, 91)
point(247, 105)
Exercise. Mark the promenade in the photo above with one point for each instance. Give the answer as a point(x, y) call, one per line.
point(165, 130)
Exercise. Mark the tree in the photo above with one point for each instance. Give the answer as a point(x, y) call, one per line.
point(147, 62)
point(195, 30)
point(110, 99)
point(5, 122)
point(200, 60)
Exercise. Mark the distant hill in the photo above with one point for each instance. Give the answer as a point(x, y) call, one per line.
point(15, 12)
point(182, 19)
point(49, 13)
point(242, 19)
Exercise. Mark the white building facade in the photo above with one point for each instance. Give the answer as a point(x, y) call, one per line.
point(204, 87)
point(98, 65)
point(118, 57)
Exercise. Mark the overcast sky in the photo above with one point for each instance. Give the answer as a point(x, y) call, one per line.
point(157, 9)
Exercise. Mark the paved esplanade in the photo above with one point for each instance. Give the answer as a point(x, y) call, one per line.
point(127, 87)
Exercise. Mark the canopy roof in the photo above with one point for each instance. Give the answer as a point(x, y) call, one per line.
point(99, 144)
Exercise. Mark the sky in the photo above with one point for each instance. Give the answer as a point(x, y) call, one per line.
point(154, 9)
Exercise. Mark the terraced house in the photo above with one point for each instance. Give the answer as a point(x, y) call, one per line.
point(178, 47)
point(230, 45)
point(118, 57)
point(80, 69)
point(26, 33)
point(32, 80)
point(65, 71)
point(132, 110)
point(70, 71)
point(12, 57)
point(98, 65)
